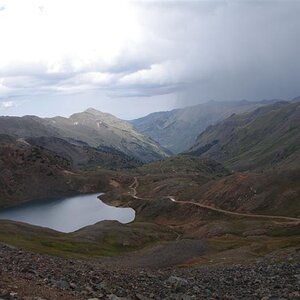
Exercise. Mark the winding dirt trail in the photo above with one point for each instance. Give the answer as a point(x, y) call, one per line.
point(235, 213)
point(135, 185)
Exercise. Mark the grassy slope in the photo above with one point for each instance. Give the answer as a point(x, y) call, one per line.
point(102, 239)
point(267, 137)
point(272, 192)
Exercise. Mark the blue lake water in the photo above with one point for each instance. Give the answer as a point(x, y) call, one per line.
point(67, 214)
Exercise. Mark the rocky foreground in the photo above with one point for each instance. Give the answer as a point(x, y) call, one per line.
point(30, 276)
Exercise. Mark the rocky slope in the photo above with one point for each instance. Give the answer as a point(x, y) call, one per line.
point(178, 129)
point(30, 172)
point(29, 276)
point(83, 156)
point(266, 137)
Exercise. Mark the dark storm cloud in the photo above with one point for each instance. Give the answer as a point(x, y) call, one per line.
point(249, 51)
point(222, 50)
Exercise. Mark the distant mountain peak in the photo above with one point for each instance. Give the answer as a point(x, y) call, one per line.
point(98, 113)
point(93, 111)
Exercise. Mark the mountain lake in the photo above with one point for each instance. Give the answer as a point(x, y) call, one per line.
point(67, 214)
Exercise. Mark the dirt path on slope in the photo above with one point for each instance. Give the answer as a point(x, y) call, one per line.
point(135, 185)
point(228, 212)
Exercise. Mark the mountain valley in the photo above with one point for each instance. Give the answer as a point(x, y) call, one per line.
point(163, 127)
point(227, 207)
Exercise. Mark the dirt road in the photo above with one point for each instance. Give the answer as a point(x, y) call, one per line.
point(135, 185)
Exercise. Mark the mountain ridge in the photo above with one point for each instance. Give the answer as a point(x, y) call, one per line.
point(96, 128)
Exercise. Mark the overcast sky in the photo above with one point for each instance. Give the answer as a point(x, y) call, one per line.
point(131, 58)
